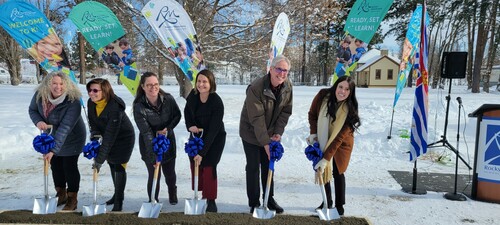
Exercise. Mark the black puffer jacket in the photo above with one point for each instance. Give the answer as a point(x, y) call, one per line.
point(150, 120)
point(117, 132)
point(68, 128)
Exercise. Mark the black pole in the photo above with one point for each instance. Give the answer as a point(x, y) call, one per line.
point(390, 129)
point(456, 196)
point(414, 189)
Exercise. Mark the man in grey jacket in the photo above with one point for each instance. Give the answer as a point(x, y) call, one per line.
point(265, 113)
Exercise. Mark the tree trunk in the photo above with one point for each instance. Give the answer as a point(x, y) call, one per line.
point(81, 45)
point(303, 75)
point(185, 85)
point(471, 28)
point(492, 48)
point(480, 46)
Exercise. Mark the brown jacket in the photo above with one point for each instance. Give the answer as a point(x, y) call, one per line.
point(341, 147)
point(263, 114)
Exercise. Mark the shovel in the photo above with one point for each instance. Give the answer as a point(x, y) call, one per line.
point(195, 206)
point(263, 212)
point(152, 209)
point(325, 213)
point(94, 208)
point(46, 204)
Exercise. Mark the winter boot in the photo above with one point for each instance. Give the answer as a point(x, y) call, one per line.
point(72, 202)
point(211, 206)
point(61, 195)
point(172, 195)
point(120, 182)
point(328, 190)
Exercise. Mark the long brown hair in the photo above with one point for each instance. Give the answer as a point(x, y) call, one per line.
point(107, 90)
point(140, 90)
point(351, 101)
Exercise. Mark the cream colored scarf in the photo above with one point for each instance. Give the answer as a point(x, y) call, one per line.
point(327, 131)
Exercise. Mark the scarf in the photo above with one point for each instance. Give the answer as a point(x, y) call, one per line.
point(51, 103)
point(327, 131)
point(100, 105)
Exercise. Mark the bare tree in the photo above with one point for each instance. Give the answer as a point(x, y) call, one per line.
point(493, 46)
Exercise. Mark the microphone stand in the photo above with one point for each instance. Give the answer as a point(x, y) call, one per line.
point(456, 196)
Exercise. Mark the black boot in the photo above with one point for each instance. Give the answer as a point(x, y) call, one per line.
point(328, 191)
point(273, 205)
point(211, 206)
point(111, 201)
point(172, 195)
point(120, 182)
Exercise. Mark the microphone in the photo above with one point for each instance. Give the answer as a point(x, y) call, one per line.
point(459, 100)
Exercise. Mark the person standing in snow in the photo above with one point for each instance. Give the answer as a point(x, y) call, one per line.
point(57, 103)
point(205, 110)
point(333, 118)
point(107, 118)
point(265, 113)
point(156, 112)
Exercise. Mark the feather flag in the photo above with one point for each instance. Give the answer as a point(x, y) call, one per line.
point(418, 137)
point(278, 40)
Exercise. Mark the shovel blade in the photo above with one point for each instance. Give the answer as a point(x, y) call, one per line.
point(327, 214)
point(150, 210)
point(92, 210)
point(45, 205)
point(195, 206)
point(263, 213)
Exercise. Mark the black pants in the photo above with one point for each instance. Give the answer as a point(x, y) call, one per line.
point(339, 185)
point(65, 172)
point(256, 156)
point(168, 169)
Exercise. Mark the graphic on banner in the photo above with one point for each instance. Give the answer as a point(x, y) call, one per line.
point(174, 28)
point(33, 31)
point(492, 144)
point(488, 153)
point(97, 23)
point(279, 37)
point(365, 17)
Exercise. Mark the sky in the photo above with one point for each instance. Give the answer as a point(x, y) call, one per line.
point(371, 191)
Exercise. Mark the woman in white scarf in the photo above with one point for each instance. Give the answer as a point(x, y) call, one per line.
point(333, 118)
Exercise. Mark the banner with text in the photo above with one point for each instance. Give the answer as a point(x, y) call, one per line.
point(97, 23)
point(278, 40)
point(365, 17)
point(175, 29)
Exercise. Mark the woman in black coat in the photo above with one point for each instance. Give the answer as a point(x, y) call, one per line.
point(205, 110)
point(156, 112)
point(108, 119)
point(57, 103)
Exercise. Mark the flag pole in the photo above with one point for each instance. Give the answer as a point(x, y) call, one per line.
point(413, 189)
point(392, 119)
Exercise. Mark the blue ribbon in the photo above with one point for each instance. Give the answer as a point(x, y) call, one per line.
point(314, 153)
point(193, 146)
point(161, 144)
point(43, 143)
point(91, 149)
point(276, 150)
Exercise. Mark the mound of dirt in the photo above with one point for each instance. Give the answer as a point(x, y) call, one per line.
point(26, 217)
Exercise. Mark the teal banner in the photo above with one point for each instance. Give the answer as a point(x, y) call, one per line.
point(97, 23)
point(365, 17)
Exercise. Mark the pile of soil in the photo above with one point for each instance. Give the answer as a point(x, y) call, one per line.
point(177, 218)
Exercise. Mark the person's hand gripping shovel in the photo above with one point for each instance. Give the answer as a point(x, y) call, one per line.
point(276, 152)
point(152, 209)
point(90, 151)
point(314, 154)
point(42, 144)
point(195, 205)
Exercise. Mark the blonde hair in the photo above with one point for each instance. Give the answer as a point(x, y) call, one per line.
point(71, 90)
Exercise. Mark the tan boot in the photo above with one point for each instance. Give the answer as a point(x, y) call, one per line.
point(61, 195)
point(72, 202)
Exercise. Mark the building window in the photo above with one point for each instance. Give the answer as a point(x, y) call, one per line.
point(378, 74)
point(389, 74)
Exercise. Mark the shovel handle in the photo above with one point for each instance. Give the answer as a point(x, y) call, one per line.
point(46, 167)
point(268, 186)
point(320, 177)
point(49, 127)
point(155, 180)
point(95, 175)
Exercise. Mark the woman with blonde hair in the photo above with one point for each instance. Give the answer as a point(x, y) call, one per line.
point(57, 103)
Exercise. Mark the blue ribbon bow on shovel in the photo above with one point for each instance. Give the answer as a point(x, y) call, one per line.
point(276, 151)
point(193, 146)
point(91, 149)
point(43, 143)
point(314, 153)
point(161, 144)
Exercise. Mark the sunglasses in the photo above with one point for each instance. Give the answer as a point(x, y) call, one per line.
point(152, 85)
point(279, 70)
point(93, 90)
point(111, 48)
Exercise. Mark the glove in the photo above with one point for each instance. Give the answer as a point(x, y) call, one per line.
point(96, 166)
point(311, 139)
point(321, 165)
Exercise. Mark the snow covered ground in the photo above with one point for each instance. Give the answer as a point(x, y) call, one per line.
point(371, 190)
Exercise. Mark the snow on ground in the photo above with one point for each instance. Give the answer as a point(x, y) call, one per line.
point(371, 191)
